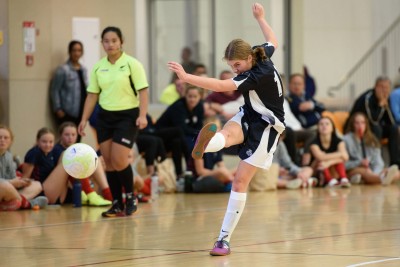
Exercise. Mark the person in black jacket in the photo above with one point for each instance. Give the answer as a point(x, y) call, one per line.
point(306, 109)
point(374, 103)
point(186, 113)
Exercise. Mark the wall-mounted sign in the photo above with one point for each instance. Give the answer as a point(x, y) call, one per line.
point(29, 36)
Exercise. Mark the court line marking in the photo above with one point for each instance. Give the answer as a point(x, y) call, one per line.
point(191, 251)
point(372, 262)
point(166, 214)
point(179, 252)
point(183, 212)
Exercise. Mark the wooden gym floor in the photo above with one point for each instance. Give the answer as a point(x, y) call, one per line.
point(318, 227)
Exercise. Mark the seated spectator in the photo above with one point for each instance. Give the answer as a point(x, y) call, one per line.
point(186, 113)
point(306, 109)
point(177, 88)
point(328, 154)
point(395, 104)
point(43, 164)
point(174, 91)
point(210, 174)
point(141, 186)
point(365, 160)
point(375, 104)
point(153, 148)
point(290, 175)
point(295, 134)
point(174, 142)
point(68, 136)
point(15, 192)
point(216, 103)
point(297, 138)
point(11, 199)
point(200, 70)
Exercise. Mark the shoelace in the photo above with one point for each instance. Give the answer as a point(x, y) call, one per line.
point(220, 243)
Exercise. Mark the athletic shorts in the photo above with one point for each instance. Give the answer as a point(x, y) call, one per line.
point(260, 140)
point(120, 126)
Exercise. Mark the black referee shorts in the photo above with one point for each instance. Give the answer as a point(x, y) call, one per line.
point(120, 126)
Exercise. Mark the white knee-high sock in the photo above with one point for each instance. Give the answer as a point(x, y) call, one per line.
point(216, 143)
point(234, 210)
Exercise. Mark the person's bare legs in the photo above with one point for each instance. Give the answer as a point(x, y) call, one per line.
point(243, 176)
point(233, 133)
point(99, 177)
point(367, 176)
point(8, 191)
point(56, 185)
point(32, 190)
point(9, 196)
point(105, 148)
point(209, 140)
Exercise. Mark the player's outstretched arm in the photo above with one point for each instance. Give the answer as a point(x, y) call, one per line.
point(259, 15)
point(202, 82)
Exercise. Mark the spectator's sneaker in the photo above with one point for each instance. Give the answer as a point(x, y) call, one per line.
point(205, 135)
point(131, 205)
point(84, 198)
point(40, 202)
point(345, 183)
point(294, 184)
point(356, 178)
point(142, 198)
point(333, 182)
point(93, 199)
point(115, 211)
point(221, 248)
point(390, 174)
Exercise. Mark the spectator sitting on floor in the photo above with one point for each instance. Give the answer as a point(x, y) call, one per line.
point(365, 159)
point(210, 173)
point(291, 176)
point(15, 192)
point(186, 113)
point(329, 153)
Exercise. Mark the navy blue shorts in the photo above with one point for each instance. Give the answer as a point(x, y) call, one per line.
point(260, 140)
point(120, 126)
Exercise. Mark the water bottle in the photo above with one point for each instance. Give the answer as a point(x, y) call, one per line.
point(154, 186)
point(76, 193)
point(188, 182)
point(180, 185)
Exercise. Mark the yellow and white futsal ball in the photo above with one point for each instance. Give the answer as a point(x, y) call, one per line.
point(80, 160)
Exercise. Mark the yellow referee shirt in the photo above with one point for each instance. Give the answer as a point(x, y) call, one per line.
point(112, 82)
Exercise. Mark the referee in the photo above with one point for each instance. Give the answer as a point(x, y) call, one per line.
point(119, 84)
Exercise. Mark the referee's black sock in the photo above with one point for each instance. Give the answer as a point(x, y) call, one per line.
point(125, 177)
point(115, 186)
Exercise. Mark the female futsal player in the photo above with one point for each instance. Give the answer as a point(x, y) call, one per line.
point(256, 127)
